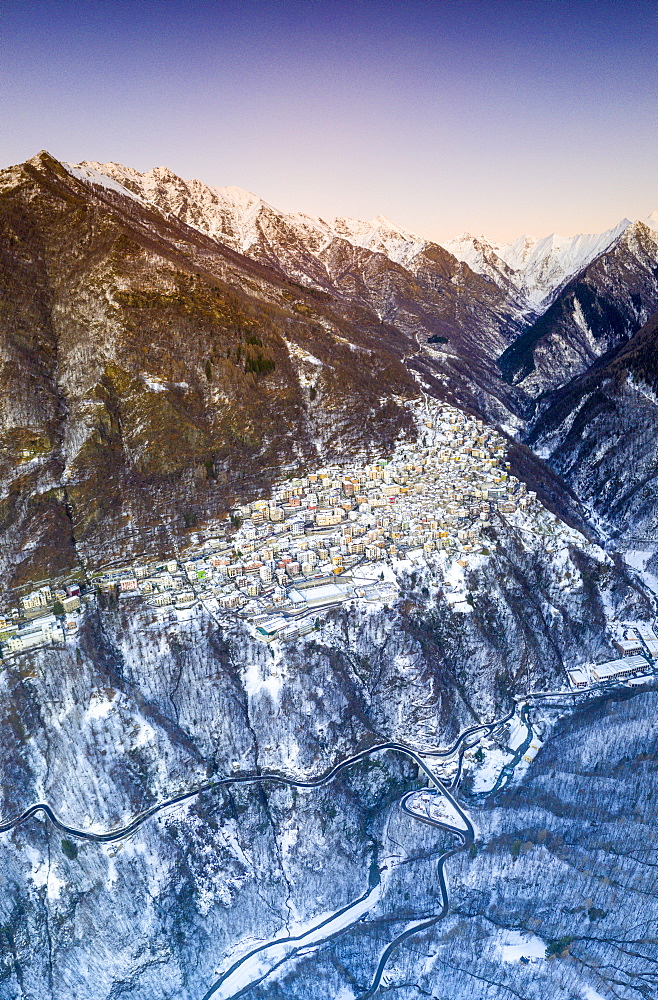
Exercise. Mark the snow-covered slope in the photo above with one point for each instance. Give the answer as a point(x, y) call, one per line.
point(230, 214)
point(482, 257)
point(241, 219)
point(547, 263)
point(381, 236)
point(595, 311)
point(536, 267)
point(91, 175)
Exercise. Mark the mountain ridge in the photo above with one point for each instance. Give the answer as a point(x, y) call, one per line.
point(536, 267)
point(119, 284)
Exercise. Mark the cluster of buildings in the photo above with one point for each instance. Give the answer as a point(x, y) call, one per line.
point(325, 538)
point(338, 534)
point(319, 540)
point(46, 616)
point(637, 646)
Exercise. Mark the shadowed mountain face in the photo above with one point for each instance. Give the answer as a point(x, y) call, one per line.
point(599, 433)
point(597, 311)
point(535, 268)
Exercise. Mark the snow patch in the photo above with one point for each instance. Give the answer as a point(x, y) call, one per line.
point(513, 945)
point(254, 682)
point(100, 708)
point(43, 876)
point(90, 175)
point(591, 994)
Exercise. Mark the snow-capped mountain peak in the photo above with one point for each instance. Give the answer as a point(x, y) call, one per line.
point(554, 253)
point(537, 266)
point(380, 235)
point(530, 270)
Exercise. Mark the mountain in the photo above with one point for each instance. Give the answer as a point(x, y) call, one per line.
point(149, 311)
point(599, 432)
point(409, 282)
point(334, 288)
point(379, 776)
point(535, 267)
point(242, 219)
point(456, 323)
point(534, 311)
point(595, 312)
point(149, 369)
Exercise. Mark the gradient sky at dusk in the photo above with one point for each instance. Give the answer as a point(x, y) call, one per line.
point(491, 116)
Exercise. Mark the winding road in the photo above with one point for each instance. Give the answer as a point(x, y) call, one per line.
point(261, 961)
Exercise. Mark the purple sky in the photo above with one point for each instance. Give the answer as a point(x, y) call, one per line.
point(492, 116)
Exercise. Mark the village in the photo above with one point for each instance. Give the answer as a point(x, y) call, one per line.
point(339, 534)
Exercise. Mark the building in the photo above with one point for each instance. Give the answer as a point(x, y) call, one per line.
point(578, 678)
point(35, 600)
point(628, 647)
point(645, 632)
point(231, 600)
point(161, 600)
point(617, 669)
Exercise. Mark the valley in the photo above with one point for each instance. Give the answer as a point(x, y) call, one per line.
point(329, 609)
point(438, 808)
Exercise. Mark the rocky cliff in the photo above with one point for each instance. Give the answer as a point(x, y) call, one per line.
point(599, 432)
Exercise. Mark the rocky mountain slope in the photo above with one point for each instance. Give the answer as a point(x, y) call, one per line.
point(491, 326)
point(149, 370)
point(597, 311)
point(168, 349)
point(456, 322)
point(408, 282)
point(599, 432)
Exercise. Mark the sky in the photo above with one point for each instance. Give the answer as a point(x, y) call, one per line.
point(493, 117)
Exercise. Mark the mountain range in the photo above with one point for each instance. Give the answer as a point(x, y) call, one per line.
point(141, 311)
point(186, 800)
